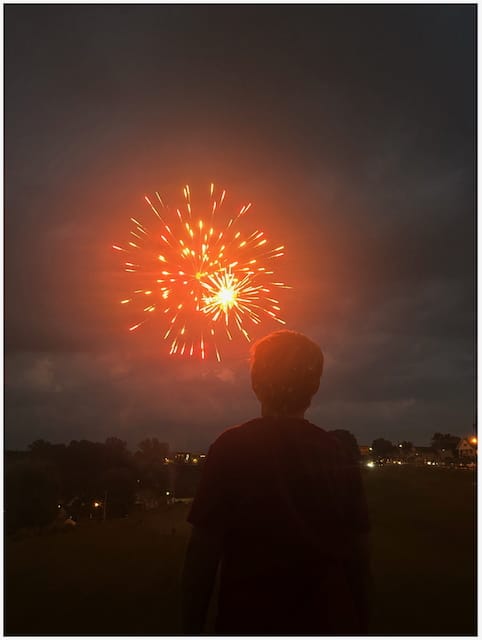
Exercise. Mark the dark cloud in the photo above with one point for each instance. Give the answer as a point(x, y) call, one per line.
point(351, 128)
point(69, 396)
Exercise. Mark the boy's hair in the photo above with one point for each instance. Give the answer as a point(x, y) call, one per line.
point(286, 368)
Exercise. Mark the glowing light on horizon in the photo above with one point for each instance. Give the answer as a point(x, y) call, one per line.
point(204, 276)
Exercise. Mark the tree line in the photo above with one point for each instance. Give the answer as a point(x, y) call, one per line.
point(383, 448)
point(48, 476)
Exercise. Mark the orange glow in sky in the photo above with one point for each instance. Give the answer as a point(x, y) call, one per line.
point(204, 276)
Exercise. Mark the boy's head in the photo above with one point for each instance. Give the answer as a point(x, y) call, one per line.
point(286, 368)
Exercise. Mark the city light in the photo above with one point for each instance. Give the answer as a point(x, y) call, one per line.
point(473, 440)
point(370, 464)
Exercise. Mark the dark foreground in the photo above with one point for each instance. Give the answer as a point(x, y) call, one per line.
point(122, 577)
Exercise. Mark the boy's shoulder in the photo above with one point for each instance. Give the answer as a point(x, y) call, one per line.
point(235, 433)
point(255, 428)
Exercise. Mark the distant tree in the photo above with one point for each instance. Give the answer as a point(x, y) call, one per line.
point(31, 494)
point(53, 455)
point(150, 460)
point(116, 444)
point(116, 453)
point(40, 447)
point(151, 450)
point(445, 441)
point(348, 441)
point(382, 447)
point(119, 491)
point(405, 448)
point(85, 464)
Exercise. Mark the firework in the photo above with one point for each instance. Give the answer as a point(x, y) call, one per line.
point(203, 275)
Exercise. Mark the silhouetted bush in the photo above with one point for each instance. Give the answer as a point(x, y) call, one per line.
point(31, 494)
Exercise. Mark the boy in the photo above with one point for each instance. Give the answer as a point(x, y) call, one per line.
point(280, 508)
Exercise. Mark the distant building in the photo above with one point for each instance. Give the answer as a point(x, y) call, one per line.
point(465, 449)
point(365, 450)
point(187, 457)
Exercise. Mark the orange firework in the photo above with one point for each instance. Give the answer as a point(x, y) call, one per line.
point(205, 280)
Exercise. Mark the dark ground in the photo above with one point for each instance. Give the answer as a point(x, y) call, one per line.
point(121, 577)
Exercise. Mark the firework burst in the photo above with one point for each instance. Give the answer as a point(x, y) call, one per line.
point(203, 275)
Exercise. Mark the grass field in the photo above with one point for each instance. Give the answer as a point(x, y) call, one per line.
point(122, 577)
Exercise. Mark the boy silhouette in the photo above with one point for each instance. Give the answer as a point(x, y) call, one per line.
point(280, 509)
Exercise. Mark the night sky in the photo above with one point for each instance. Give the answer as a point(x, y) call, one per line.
point(350, 128)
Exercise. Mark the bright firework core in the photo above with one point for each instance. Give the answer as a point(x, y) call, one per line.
point(203, 280)
point(225, 298)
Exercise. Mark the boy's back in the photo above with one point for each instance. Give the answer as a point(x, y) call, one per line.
point(288, 506)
